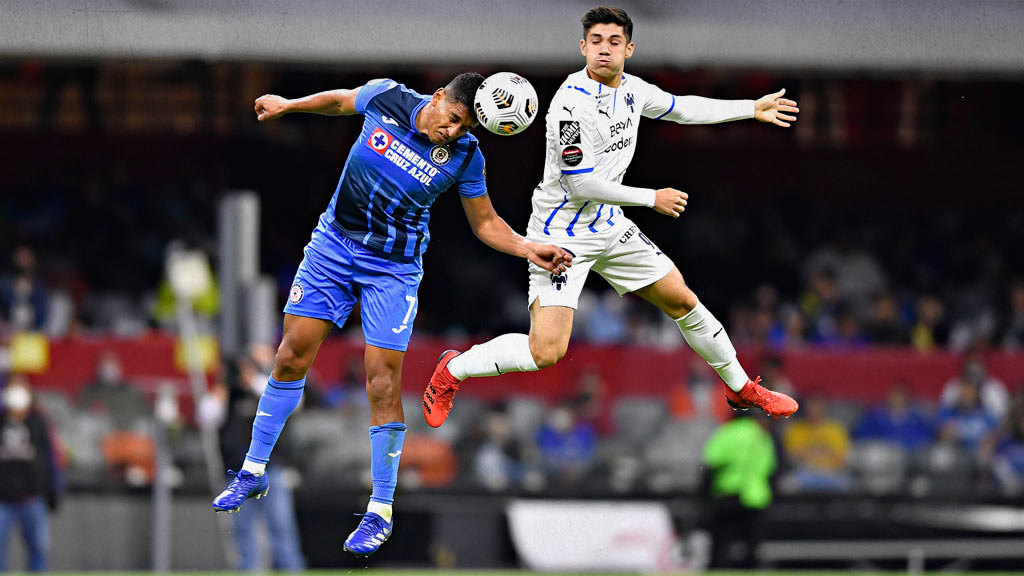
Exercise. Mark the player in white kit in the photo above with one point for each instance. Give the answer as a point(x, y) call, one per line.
point(591, 130)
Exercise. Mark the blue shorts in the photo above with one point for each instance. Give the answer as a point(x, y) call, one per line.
point(336, 272)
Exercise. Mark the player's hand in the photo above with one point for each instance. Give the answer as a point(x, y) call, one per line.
point(270, 106)
point(551, 258)
point(670, 202)
point(772, 108)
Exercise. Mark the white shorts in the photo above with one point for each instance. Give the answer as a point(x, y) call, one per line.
point(626, 258)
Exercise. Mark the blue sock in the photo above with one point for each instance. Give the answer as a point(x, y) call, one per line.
point(385, 453)
point(277, 403)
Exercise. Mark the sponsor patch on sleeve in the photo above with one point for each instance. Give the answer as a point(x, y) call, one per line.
point(572, 155)
point(568, 132)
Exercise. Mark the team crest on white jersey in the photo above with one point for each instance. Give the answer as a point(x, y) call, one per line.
point(295, 295)
point(440, 155)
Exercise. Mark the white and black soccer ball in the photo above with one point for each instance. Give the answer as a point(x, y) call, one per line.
point(506, 103)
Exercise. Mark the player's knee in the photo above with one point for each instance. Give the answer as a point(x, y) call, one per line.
point(383, 388)
point(547, 354)
point(289, 364)
point(682, 304)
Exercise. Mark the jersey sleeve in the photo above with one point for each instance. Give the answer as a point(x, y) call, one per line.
point(472, 183)
point(368, 91)
point(571, 131)
point(661, 105)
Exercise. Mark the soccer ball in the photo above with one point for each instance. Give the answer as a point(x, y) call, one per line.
point(506, 103)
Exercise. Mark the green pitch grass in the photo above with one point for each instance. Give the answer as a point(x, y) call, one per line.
point(368, 572)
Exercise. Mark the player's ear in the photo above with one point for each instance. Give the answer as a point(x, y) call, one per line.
point(439, 95)
point(583, 47)
point(629, 50)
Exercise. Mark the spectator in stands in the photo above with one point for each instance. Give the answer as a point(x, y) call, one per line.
point(740, 456)
point(885, 325)
point(1008, 462)
point(231, 407)
point(994, 397)
point(897, 421)
point(820, 304)
point(350, 387)
point(24, 301)
point(28, 474)
point(114, 396)
point(817, 448)
point(930, 329)
point(567, 446)
point(1011, 329)
point(966, 422)
point(498, 463)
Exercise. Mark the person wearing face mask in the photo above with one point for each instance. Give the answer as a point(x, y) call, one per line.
point(110, 393)
point(28, 474)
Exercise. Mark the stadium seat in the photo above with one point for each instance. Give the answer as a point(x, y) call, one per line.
point(639, 418)
point(880, 467)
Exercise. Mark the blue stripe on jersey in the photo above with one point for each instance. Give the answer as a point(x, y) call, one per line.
point(369, 210)
point(389, 244)
point(552, 216)
point(575, 219)
point(615, 100)
point(580, 171)
point(669, 108)
point(580, 89)
point(611, 213)
point(596, 218)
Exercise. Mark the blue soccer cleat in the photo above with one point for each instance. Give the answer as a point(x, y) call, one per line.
point(244, 486)
point(369, 535)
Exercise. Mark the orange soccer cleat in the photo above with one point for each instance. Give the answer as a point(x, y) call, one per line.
point(753, 395)
point(440, 392)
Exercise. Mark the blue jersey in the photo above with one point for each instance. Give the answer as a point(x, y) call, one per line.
point(393, 174)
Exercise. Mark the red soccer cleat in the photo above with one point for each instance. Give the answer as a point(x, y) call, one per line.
point(440, 392)
point(753, 395)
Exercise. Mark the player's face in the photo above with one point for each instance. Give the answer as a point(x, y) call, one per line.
point(606, 49)
point(447, 120)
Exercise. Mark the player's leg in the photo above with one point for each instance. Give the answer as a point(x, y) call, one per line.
point(389, 306)
point(707, 336)
point(553, 301)
point(299, 344)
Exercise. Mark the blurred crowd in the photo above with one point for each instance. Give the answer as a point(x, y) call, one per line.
point(968, 444)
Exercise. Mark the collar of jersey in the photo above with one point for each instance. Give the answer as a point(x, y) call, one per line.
point(600, 86)
point(415, 111)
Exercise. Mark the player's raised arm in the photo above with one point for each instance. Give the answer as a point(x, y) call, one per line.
point(330, 103)
point(699, 110)
point(492, 230)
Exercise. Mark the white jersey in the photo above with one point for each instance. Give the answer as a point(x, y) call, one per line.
point(590, 128)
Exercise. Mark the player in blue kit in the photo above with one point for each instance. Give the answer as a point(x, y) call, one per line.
point(367, 248)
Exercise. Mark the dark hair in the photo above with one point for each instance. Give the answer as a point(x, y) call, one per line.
point(607, 15)
point(462, 89)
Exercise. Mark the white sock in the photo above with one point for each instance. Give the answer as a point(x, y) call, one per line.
point(381, 509)
point(706, 335)
point(254, 468)
point(506, 353)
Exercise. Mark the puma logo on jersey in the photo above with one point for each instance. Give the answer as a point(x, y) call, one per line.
point(389, 120)
point(605, 112)
point(567, 109)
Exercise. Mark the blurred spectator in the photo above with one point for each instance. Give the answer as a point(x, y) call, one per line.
point(820, 304)
point(993, 394)
point(350, 388)
point(498, 462)
point(741, 459)
point(28, 474)
point(817, 448)
point(1011, 329)
point(110, 394)
point(774, 374)
point(966, 422)
point(1008, 462)
point(858, 273)
point(24, 301)
point(699, 395)
point(567, 446)
point(590, 402)
point(930, 329)
point(885, 325)
point(232, 406)
point(897, 421)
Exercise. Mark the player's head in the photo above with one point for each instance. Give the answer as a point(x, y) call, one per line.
point(607, 40)
point(450, 113)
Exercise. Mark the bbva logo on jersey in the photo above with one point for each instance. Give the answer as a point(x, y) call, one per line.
point(380, 140)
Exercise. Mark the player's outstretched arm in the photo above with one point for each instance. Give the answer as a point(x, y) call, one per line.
point(776, 109)
point(329, 103)
point(492, 230)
